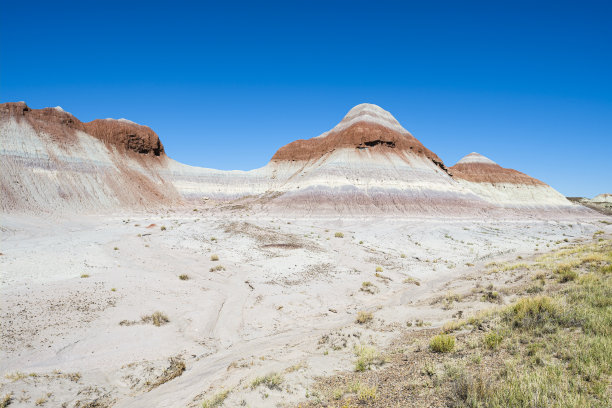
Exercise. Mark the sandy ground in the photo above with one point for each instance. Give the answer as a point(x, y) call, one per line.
point(283, 297)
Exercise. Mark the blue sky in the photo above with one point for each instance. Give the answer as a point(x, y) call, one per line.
point(225, 84)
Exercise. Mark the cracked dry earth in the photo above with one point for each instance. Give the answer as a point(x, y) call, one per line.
point(281, 298)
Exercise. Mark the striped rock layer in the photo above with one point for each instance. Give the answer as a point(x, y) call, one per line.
point(504, 187)
point(367, 164)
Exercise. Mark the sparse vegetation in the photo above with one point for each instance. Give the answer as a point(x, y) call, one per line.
point(339, 235)
point(364, 317)
point(214, 257)
point(367, 356)
point(272, 381)
point(116, 248)
point(84, 275)
point(442, 343)
point(175, 369)
point(368, 287)
point(412, 281)
point(156, 319)
point(184, 276)
point(493, 339)
point(379, 269)
point(6, 400)
point(217, 400)
point(163, 228)
point(217, 268)
point(555, 345)
point(366, 394)
point(566, 273)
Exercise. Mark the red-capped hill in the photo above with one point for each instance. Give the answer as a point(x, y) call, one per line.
point(61, 126)
point(55, 122)
point(366, 126)
point(479, 169)
point(126, 134)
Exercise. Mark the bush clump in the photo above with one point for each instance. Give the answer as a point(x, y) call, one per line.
point(442, 343)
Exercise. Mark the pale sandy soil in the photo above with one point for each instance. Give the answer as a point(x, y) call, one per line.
point(285, 302)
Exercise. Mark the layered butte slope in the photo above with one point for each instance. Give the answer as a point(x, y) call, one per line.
point(505, 187)
point(367, 164)
point(51, 161)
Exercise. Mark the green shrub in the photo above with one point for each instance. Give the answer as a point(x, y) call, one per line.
point(442, 343)
point(492, 340)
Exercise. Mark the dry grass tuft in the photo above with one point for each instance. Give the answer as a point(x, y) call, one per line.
point(157, 319)
point(217, 400)
point(272, 381)
point(175, 369)
point(364, 317)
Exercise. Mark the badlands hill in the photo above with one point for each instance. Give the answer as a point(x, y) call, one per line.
point(368, 163)
point(504, 187)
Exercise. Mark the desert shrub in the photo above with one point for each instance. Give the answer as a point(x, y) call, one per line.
point(217, 268)
point(533, 311)
point(272, 380)
point(84, 275)
point(364, 317)
point(566, 273)
point(379, 269)
point(156, 319)
point(442, 343)
point(339, 235)
point(366, 394)
point(367, 356)
point(412, 281)
point(217, 400)
point(491, 296)
point(214, 257)
point(163, 228)
point(492, 340)
point(6, 400)
point(184, 276)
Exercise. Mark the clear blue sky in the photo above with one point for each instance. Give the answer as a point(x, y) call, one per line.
point(225, 84)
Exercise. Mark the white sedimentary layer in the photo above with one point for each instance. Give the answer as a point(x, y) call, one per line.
point(475, 158)
point(602, 198)
point(367, 112)
point(40, 174)
point(518, 195)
